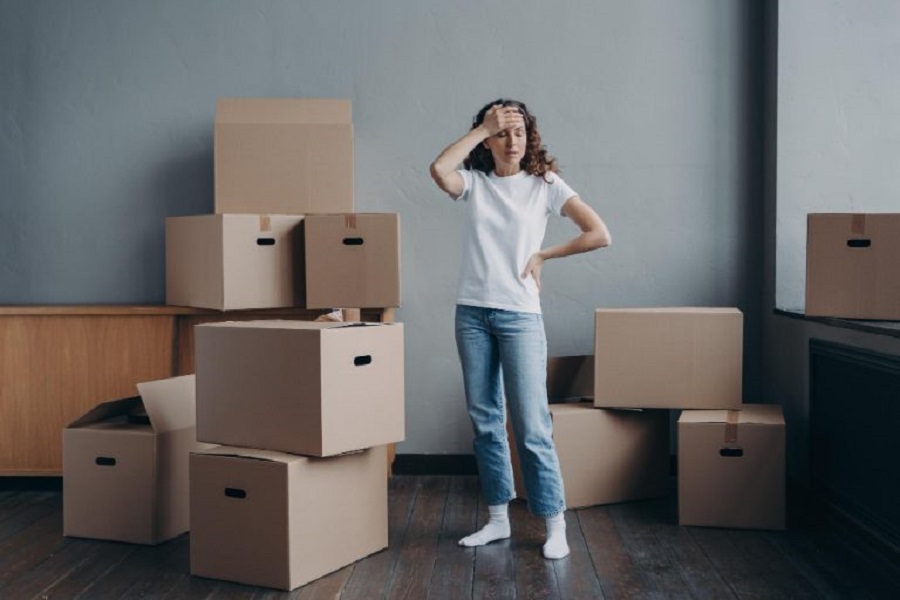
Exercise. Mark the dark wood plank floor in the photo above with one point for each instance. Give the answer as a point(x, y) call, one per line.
point(632, 550)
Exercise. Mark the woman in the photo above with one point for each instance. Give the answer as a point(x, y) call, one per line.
point(510, 186)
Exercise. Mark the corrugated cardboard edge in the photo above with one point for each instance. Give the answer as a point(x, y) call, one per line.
point(268, 455)
point(758, 414)
point(289, 325)
point(170, 403)
point(122, 406)
point(673, 310)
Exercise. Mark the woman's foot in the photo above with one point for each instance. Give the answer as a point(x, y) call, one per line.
point(556, 546)
point(497, 528)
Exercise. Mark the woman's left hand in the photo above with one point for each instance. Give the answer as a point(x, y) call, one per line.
point(533, 268)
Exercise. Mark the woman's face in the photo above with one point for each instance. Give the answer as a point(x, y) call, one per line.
point(508, 146)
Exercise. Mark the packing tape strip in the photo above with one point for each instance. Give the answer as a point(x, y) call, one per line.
point(731, 426)
point(265, 223)
point(858, 224)
point(350, 221)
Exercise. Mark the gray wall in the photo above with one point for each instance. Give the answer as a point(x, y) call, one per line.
point(106, 111)
point(838, 121)
point(837, 98)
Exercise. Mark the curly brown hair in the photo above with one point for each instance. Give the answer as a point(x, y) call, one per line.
point(536, 160)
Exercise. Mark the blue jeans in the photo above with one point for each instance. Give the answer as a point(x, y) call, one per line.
point(495, 344)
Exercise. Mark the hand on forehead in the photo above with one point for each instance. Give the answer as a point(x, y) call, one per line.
point(512, 114)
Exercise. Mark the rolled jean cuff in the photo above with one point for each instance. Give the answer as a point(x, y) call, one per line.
point(548, 514)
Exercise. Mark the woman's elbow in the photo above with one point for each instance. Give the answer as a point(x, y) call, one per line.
point(605, 240)
point(437, 174)
point(601, 238)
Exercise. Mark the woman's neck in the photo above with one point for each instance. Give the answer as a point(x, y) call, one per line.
point(507, 170)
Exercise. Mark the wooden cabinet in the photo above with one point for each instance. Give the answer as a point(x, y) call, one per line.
point(56, 362)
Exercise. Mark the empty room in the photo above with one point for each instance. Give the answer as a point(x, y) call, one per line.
point(449, 300)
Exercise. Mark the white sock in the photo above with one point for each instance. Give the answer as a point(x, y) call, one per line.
point(556, 545)
point(497, 527)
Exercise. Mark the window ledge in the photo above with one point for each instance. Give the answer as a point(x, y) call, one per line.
point(889, 328)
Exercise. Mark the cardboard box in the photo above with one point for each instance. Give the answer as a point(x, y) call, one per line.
point(668, 358)
point(283, 156)
point(606, 455)
point(313, 388)
point(280, 520)
point(731, 467)
point(853, 266)
point(230, 262)
point(352, 260)
point(125, 465)
point(570, 377)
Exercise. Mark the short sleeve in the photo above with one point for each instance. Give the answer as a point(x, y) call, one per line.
point(559, 193)
point(467, 183)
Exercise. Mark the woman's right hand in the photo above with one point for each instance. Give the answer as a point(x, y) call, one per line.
point(499, 118)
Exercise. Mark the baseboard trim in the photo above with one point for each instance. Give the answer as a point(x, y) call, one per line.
point(435, 464)
point(31, 483)
point(454, 464)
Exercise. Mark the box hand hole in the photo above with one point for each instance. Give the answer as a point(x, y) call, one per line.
point(263, 241)
point(231, 492)
point(360, 361)
point(859, 243)
point(105, 461)
point(353, 241)
point(731, 452)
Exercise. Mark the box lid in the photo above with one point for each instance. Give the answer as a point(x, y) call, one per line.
point(304, 111)
point(288, 324)
point(674, 310)
point(251, 453)
point(760, 414)
point(170, 403)
point(107, 410)
point(577, 409)
point(855, 221)
point(349, 218)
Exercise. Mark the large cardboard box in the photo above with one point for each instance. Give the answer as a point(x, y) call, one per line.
point(668, 358)
point(606, 455)
point(125, 465)
point(228, 262)
point(283, 155)
point(281, 520)
point(352, 260)
point(731, 467)
point(313, 388)
point(853, 266)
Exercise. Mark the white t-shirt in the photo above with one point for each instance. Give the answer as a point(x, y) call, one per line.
point(505, 221)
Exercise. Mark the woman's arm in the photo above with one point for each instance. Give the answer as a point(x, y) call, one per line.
point(443, 169)
point(594, 234)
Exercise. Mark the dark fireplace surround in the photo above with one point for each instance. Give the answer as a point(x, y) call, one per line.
point(854, 406)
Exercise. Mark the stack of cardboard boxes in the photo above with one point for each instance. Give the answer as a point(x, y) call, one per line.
point(284, 233)
point(730, 455)
point(303, 410)
point(647, 362)
point(287, 480)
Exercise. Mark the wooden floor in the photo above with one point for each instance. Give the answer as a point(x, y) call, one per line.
point(632, 550)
